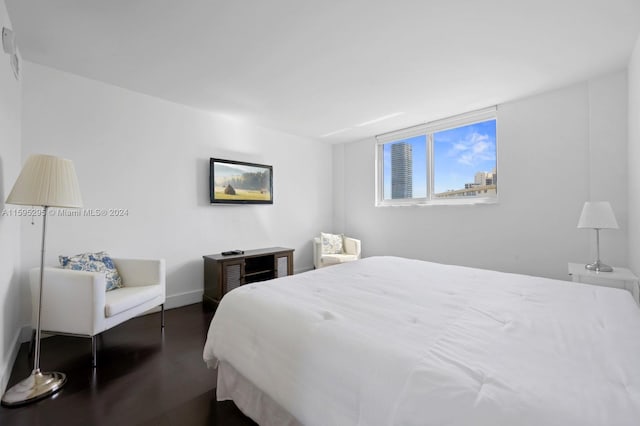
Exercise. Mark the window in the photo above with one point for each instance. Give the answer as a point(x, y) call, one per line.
point(444, 162)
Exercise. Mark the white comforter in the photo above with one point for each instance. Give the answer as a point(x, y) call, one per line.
point(392, 341)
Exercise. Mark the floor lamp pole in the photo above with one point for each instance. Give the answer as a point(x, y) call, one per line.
point(36, 358)
point(38, 385)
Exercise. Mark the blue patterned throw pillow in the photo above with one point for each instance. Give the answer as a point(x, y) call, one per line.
point(94, 262)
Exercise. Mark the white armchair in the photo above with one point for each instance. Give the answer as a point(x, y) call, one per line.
point(76, 303)
point(351, 249)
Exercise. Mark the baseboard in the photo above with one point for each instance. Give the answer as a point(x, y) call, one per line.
point(183, 299)
point(22, 335)
point(299, 271)
point(25, 333)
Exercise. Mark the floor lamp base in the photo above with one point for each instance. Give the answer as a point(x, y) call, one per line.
point(33, 388)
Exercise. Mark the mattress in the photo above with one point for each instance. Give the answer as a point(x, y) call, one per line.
point(394, 341)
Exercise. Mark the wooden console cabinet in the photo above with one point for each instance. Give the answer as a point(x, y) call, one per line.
point(224, 273)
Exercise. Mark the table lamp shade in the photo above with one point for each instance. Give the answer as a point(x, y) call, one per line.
point(597, 215)
point(47, 181)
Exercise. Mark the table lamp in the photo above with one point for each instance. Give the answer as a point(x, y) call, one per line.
point(597, 215)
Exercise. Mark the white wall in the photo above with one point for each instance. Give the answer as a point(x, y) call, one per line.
point(338, 189)
point(549, 149)
point(608, 171)
point(151, 157)
point(634, 159)
point(10, 316)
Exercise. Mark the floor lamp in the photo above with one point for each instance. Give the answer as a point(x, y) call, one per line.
point(44, 181)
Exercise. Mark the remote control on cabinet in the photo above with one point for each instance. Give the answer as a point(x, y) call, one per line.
point(232, 252)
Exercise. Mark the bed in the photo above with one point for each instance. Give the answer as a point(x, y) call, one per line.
point(394, 341)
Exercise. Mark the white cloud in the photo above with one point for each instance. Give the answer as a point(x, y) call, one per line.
point(457, 147)
point(473, 150)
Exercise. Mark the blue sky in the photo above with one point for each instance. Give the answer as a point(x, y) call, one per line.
point(458, 154)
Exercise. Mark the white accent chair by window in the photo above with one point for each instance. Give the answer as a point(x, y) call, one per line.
point(75, 302)
point(333, 249)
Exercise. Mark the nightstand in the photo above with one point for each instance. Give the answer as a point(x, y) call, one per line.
point(620, 278)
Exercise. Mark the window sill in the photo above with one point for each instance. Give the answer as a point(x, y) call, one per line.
point(447, 202)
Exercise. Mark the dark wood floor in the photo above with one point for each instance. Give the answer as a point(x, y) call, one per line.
point(144, 377)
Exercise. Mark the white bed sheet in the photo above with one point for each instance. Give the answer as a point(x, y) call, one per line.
point(393, 341)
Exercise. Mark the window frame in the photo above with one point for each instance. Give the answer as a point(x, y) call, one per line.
point(428, 129)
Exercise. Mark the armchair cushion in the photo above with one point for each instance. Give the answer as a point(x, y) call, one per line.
point(126, 298)
point(94, 262)
point(333, 259)
point(331, 243)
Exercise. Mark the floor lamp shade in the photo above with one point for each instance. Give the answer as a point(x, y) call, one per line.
point(47, 181)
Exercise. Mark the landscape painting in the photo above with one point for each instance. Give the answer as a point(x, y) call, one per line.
point(240, 182)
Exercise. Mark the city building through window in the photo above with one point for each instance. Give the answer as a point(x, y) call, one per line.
point(447, 161)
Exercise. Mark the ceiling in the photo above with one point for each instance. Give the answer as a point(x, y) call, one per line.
point(328, 69)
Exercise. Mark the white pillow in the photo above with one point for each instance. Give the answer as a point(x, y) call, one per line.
point(331, 243)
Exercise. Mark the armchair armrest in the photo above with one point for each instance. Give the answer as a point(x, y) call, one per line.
point(352, 246)
point(137, 272)
point(317, 252)
point(72, 301)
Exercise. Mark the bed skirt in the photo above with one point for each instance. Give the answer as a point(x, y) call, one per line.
point(254, 403)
